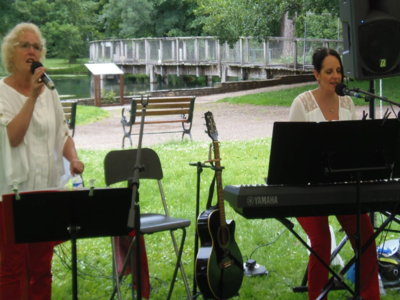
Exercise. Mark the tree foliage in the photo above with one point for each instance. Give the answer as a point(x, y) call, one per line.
point(318, 26)
point(175, 18)
point(149, 18)
point(68, 25)
point(128, 18)
point(230, 19)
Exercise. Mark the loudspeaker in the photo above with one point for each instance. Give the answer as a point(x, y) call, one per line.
point(371, 38)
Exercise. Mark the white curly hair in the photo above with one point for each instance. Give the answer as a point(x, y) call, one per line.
point(7, 47)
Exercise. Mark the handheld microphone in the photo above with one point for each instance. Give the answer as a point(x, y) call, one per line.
point(342, 90)
point(47, 81)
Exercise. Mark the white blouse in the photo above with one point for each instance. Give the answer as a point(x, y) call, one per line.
point(305, 109)
point(36, 163)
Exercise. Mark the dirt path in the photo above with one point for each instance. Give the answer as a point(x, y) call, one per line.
point(234, 122)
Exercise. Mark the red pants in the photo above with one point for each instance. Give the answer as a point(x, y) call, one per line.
point(317, 229)
point(18, 260)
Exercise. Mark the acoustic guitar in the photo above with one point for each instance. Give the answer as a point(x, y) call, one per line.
point(219, 263)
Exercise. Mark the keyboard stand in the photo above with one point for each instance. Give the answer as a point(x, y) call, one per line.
point(381, 228)
point(338, 276)
point(334, 152)
point(304, 288)
point(289, 225)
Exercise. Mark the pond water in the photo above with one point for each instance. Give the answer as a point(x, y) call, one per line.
point(83, 86)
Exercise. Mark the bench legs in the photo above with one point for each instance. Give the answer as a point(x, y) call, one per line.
point(123, 140)
point(127, 134)
point(187, 130)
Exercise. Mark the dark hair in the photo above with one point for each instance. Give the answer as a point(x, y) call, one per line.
point(319, 56)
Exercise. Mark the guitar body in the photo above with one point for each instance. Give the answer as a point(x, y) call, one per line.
point(219, 268)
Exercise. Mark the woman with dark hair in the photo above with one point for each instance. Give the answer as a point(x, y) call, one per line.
point(320, 105)
point(34, 141)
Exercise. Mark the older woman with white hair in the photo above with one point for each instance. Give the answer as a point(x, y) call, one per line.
point(34, 140)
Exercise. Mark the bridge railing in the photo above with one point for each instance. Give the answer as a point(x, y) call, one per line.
point(274, 51)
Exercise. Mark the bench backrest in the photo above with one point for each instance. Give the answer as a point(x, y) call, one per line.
point(162, 106)
point(69, 109)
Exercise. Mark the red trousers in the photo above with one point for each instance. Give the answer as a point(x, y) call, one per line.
point(21, 261)
point(317, 229)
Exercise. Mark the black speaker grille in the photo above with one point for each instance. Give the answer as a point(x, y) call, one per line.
point(394, 72)
point(379, 43)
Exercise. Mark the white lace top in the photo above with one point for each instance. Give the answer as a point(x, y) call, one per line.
point(37, 162)
point(305, 109)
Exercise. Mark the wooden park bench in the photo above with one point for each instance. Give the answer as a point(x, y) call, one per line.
point(69, 109)
point(159, 110)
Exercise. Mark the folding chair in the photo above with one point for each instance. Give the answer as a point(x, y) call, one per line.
point(119, 167)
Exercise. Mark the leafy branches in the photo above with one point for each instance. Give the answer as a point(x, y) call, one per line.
point(66, 25)
point(230, 19)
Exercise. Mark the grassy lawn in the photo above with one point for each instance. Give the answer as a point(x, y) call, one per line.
point(285, 97)
point(90, 114)
point(59, 66)
point(60, 63)
point(285, 259)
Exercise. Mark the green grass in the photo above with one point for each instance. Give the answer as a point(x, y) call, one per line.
point(90, 114)
point(244, 162)
point(58, 66)
point(285, 97)
point(53, 63)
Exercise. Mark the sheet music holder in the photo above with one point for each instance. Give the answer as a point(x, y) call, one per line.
point(43, 216)
point(332, 152)
point(301, 152)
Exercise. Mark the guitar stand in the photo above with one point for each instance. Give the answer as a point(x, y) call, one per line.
point(200, 167)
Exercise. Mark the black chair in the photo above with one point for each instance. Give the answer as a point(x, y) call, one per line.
point(119, 167)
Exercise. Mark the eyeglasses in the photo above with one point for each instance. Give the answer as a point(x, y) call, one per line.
point(26, 46)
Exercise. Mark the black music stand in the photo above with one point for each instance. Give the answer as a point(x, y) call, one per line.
point(301, 152)
point(44, 216)
point(334, 152)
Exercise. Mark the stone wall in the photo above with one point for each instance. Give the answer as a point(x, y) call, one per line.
point(221, 87)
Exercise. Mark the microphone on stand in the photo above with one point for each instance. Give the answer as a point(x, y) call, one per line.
point(47, 81)
point(342, 90)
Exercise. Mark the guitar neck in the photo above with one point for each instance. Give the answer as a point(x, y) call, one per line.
point(220, 198)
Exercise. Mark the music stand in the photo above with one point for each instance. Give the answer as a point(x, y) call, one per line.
point(43, 216)
point(331, 152)
point(303, 152)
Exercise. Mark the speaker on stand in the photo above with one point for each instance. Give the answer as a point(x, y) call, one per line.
point(371, 43)
point(371, 40)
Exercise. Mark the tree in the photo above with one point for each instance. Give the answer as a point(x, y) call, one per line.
point(175, 18)
point(7, 17)
point(128, 18)
point(149, 18)
point(66, 25)
point(322, 26)
point(230, 19)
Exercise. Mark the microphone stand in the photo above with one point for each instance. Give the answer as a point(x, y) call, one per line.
point(134, 211)
point(371, 96)
point(371, 100)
